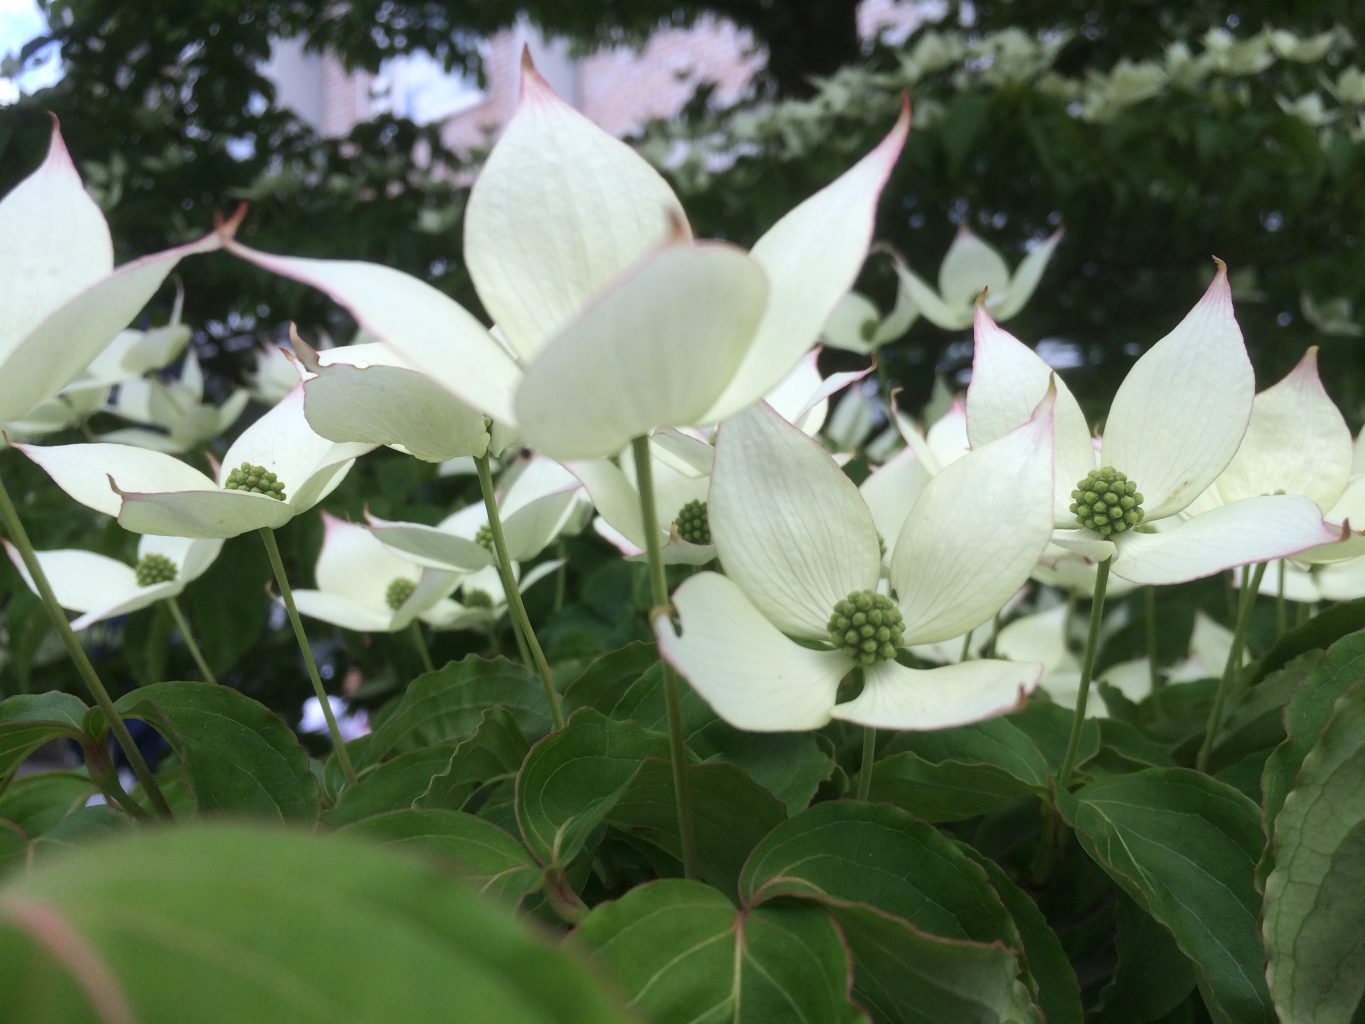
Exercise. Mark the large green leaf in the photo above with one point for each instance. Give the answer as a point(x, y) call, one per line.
point(1152, 976)
point(1323, 630)
point(685, 955)
point(232, 924)
point(494, 753)
point(236, 754)
point(950, 774)
point(1313, 918)
point(444, 707)
point(390, 786)
point(1184, 847)
point(37, 802)
point(477, 851)
point(1304, 719)
point(730, 814)
point(30, 720)
point(573, 778)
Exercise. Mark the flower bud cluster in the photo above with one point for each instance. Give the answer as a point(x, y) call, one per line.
point(256, 480)
point(400, 589)
point(867, 627)
point(153, 569)
point(1107, 502)
point(693, 526)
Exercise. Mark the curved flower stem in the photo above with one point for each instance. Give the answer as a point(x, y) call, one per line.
point(338, 744)
point(966, 646)
point(182, 624)
point(1092, 642)
point(420, 642)
point(521, 622)
point(1234, 664)
point(869, 757)
point(1149, 614)
point(1281, 611)
point(19, 536)
point(649, 518)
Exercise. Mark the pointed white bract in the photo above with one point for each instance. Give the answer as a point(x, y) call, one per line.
point(100, 587)
point(1175, 425)
point(154, 493)
point(61, 299)
point(612, 321)
point(795, 538)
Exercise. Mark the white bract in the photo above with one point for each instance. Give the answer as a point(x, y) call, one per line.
point(970, 267)
point(796, 541)
point(174, 416)
point(364, 586)
point(611, 320)
point(100, 587)
point(154, 493)
point(1174, 425)
point(61, 300)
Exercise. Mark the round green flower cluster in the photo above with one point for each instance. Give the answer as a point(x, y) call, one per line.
point(1107, 502)
point(484, 538)
point(400, 589)
point(478, 599)
point(693, 526)
point(867, 627)
point(256, 480)
point(153, 569)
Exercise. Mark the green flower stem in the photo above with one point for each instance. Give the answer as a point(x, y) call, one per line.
point(1149, 614)
point(1092, 642)
point(989, 650)
point(967, 646)
point(1234, 664)
point(420, 642)
point(516, 607)
point(1281, 611)
point(869, 758)
point(338, 744)
point(649, 521)
point(19, 536)
point(182, 624)
point(561, 576)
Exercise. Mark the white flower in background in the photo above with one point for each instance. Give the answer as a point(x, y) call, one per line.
point(1304, 49)
point(99, 587)
point(1336, 317)
point(581, 254)
point(1225, 53)
point(61, 299)
point(276, 469)
point(351, 724)
point(1311, 583)
point(481, 601)
point(856, 325)
point(173, 415)
point(538, 503)
point(362, 585)
point(1174, 425)
point(803, 560)
point(969, 267)
point(274, 377)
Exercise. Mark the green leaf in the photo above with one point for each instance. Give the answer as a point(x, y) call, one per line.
point(1048, 725)
point(476, 850)
point(37, 802)
point(30, 720)
point(237, 756)
point(1056, 989)
point(573, 778)
point(494, 753)
point(730, 813)
point(393, 785)
point(335, 930)
point(1323, 630)
point(1184, 846)
point(1305, 717)
point(871, 853)
point(951, 774)
point(444, 707)
point(1152, 977)
point(13, 847)
point(1312, 897)
point(683, 953)
point(80, 828)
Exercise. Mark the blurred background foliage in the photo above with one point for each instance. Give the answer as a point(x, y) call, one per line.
point(1157, 135)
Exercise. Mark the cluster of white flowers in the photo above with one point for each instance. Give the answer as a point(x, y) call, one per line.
point(615, 328)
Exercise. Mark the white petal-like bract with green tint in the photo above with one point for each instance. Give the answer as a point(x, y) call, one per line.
point(969, 267)
point(896, 697)
point(1026, 277)
point(653, 350)
point(84, 472)
point(1183, 408)
point(428, 329)
point(560, 210)
point(741, 664)
point(975, 533)
point(432, 546)
point(1246, 531)
point(1296, 443)
point(1008, 380)
point(791, 529)
point(811, 257)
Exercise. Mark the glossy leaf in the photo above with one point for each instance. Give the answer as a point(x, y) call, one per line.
point(27, 721)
